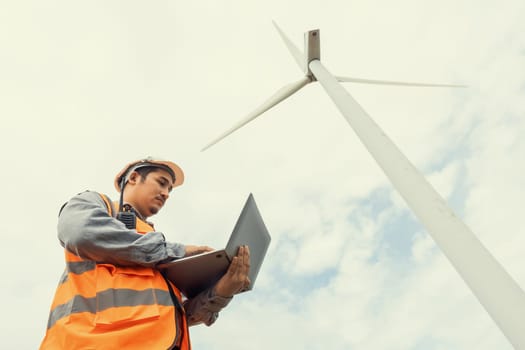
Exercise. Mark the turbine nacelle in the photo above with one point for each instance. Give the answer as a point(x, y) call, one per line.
point(312, 50)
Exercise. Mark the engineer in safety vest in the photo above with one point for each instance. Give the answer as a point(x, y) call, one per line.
point(110, 295)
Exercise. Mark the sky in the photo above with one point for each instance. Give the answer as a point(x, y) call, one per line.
point(87, 87)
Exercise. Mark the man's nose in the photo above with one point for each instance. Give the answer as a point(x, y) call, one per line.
point(165, 193)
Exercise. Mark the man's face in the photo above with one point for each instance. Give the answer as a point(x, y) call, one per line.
point(148, 195)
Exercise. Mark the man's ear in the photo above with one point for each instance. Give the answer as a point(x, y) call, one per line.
point(133, 178)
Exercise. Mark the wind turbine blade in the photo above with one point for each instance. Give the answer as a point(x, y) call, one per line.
point(495, 289)
point(279, 96)
point(387, 82)
point(296, 53)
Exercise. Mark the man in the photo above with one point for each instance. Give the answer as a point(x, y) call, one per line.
point(111, 296)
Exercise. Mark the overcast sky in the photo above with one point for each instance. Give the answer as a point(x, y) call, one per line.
point(87, 86)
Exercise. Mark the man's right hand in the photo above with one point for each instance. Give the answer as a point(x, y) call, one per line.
point(196, 249)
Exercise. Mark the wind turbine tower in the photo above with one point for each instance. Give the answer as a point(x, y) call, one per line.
point(495, 289)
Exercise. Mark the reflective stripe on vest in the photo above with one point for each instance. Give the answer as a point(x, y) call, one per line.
point(108, 299)
point(104, 306)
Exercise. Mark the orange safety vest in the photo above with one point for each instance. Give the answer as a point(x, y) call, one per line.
point(103, 306)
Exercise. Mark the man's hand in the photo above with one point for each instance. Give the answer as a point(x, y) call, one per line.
point(196, 249)
point(236, 278)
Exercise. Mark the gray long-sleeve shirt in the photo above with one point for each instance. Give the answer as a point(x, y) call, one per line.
point(86, 229)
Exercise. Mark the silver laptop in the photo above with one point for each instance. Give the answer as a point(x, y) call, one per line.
point(197, 273)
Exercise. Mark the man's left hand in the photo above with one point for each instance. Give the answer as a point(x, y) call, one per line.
point(236, 279)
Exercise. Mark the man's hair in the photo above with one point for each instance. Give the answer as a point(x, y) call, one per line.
point(144, 172)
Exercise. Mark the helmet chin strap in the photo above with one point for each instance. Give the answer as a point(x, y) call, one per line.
point(123, 183)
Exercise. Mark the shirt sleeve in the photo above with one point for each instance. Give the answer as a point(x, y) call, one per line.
point(205, 307)
point(86, 229)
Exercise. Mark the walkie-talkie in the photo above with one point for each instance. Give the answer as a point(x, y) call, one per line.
point(128, 218)
point(126, 215)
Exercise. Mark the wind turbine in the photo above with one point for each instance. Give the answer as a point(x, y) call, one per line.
point(495, 289)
